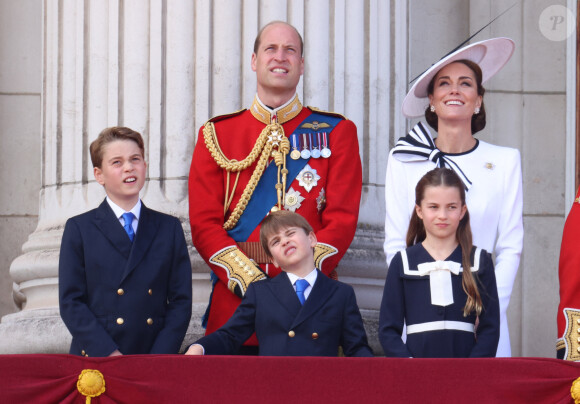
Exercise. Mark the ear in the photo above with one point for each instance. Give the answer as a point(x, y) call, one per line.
point(463, 210)
point(254, 62)
point(430, 98)
point(479, 101)
point(302, 66)
point(98, 173)
point(419, 211)
point(312, 238)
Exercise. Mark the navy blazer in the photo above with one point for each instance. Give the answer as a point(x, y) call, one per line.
point(329, 318)
point(117, 294)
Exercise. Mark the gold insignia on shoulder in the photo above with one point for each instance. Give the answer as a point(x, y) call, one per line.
point(225, 116)
point(577, 200)
point(489, 166)
point(239, 268)
point(321, 252)
point(314, 109)
point(572, 334)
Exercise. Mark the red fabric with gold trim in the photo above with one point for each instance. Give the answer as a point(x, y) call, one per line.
point(340, 177)
point(569, 267)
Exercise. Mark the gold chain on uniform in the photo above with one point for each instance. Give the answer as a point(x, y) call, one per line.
point(272, 136)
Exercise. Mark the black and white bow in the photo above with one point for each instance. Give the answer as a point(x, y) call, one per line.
point(418, 145)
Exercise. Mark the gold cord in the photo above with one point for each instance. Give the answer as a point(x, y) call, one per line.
point(272, 136)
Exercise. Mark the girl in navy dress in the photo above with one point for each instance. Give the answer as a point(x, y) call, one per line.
point(442, 287)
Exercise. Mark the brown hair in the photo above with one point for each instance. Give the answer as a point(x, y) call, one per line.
point(477, 120)
point(109, 135)
point(259, 36)
point(416, 233)
point(279, 220)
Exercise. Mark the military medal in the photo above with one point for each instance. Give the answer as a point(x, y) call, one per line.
point(321, 200)
point(293, 200)
point(305, 153)
point(325, 150)
point(295, 153)
point(308, 178)
point(316, 145)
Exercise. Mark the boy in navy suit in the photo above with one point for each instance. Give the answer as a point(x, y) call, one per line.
point(298, 313)
point(124, 269)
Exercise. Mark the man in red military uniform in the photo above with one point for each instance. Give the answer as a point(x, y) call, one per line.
point(275, 155)
point(568, 343)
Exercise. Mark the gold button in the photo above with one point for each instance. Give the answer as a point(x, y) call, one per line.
point(83, 353)
point(150, 291)
point(149, 321)
point(120, 292)
point(578, 321)
point(120, 321)
point(314, 335)
point(578, 349)
point(291, 334)
point(274, 209)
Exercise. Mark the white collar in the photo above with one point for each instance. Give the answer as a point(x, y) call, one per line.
point(310, 278)
point(136, 210)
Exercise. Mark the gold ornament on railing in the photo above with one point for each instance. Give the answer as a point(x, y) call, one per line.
point(575, 391)
point(91, 383)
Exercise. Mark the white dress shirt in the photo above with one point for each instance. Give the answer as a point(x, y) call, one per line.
point(310, 278)
point(136, 211)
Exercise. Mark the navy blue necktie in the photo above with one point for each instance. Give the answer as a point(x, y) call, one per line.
point(128, 226)
point(301, 285)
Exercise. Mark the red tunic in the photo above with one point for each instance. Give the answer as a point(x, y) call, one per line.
point(569, 275)
point(334, 219)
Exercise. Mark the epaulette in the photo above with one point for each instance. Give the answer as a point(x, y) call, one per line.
point(226, 116)
point(319, 111)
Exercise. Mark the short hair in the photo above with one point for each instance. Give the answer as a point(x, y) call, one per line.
point(109, 135)
point(259, 36)
point(477, 120)
point(279, 220)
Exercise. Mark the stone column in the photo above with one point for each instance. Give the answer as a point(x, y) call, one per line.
point(163, 68)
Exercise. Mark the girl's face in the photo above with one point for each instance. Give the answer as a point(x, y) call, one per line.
point(441, 211)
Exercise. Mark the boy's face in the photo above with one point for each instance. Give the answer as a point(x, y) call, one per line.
point(122, 172)
point(292, 249)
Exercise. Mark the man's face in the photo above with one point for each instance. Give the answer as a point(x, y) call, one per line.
point(278, 62)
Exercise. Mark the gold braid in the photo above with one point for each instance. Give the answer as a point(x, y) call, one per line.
point(272, 135)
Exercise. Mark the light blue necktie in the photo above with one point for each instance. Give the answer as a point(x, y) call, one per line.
point(301, 285)
point(128, 226)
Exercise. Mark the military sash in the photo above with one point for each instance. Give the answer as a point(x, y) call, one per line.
point(264, 196)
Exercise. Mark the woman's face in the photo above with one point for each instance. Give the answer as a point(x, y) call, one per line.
point(455, 94)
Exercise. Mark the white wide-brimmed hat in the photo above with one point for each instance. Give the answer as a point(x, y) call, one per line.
point(491, 55)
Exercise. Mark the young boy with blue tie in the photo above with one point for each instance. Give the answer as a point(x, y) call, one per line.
point(124, 269)
point(298, 313)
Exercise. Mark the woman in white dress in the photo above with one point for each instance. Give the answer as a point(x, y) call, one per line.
point(450, 96)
